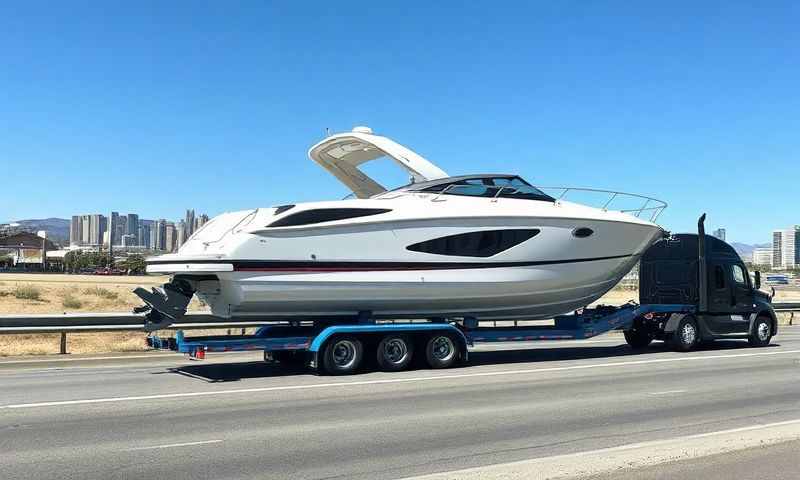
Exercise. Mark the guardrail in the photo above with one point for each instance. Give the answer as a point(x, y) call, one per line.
point(114, 322)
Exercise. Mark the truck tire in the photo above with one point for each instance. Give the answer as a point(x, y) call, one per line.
point(686, 336)
point(343, 355)
point(762, 332)
point(441, 350)
point(638, 339)
point(395, 352)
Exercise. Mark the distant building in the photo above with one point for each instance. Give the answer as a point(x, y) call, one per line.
point(128, 241)
point(113, 225)
point(132, 227)
point(75, 230)
point(189, 221)
point(786, 248)
point(720, 233)
point(180, 229)
point(762, 256)
point(170, 237)
point(160, 228)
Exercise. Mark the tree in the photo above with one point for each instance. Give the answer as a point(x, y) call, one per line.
point(134, 263)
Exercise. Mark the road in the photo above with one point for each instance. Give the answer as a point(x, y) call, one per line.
point(162, 416)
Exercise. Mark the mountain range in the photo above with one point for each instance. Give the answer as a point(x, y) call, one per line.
point(57, 228)
point(746, 250)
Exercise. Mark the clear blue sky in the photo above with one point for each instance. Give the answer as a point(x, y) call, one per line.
point(153, 107)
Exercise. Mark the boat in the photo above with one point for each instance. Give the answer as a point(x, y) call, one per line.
point(486, 247)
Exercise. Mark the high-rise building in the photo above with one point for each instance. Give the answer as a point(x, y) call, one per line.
point(786, 248)
point(180, 232)
point(75, 230)
point(762, 256)
point(113, 225)
point(720, 233)
point(85, 229)
point(132, 227)
point(170, 237)
point(160, 238)
point(128, 240)
point(189, 220)
point(97, 227)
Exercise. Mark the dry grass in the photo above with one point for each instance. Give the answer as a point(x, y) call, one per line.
point(28, 292)
point(101, 292)
point(70, 301)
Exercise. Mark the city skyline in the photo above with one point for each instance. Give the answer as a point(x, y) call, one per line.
point(129, 230)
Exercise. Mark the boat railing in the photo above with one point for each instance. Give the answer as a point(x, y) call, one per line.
point(639, 206)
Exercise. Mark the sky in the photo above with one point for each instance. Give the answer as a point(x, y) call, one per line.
point(155, 107)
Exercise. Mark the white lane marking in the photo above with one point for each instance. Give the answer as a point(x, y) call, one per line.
point(630, 456)
point(154, 355)
point(667, 392)
point(172, 445)
point(391, 380)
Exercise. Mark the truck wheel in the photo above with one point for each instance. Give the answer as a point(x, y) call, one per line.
point(441, 351)
point(638, 339)
point(395, 352)
point(343, 355)
point(686, 336)
point(762, 332)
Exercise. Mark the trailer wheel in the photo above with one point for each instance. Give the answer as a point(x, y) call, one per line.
point(343, 355)
point(638, 339)
point(441, 351)
point(686, 336)
point(762, 332)
point(395, 352)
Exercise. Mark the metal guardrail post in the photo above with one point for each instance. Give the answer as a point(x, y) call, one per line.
point(63, 343)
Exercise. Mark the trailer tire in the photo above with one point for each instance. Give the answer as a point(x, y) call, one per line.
point(686, 336)
point(638, 339)
point(395, 352)
point(342, 355)
point(762, 332)
point(441, 350)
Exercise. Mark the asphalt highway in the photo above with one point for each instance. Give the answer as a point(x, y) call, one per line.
point(233, 416)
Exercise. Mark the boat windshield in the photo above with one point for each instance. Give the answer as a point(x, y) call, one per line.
point(491, 187)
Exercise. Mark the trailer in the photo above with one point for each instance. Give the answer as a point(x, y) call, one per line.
point(677, 305)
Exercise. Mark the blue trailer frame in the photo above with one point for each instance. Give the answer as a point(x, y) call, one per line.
point(583, 324)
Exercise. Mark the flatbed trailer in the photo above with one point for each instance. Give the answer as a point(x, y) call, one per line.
point(341, 348)
point(689, 294)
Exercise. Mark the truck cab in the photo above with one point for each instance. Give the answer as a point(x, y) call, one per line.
point(729, 304)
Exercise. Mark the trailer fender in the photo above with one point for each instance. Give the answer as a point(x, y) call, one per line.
point(319, 341)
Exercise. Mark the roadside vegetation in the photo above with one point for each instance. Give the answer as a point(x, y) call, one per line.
point(101, 292)
point(28, 292)
point(70, 301)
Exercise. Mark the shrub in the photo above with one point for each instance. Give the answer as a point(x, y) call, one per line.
point(102, 293)
point(28, 292)
point(71, 302)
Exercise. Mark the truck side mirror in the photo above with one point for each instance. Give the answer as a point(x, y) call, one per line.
point(758, 280)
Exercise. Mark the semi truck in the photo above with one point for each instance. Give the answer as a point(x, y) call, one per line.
point(693, 289)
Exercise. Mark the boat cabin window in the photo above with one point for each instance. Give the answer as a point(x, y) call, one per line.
point(319, 215)
point(491, 187)
point(484, 243)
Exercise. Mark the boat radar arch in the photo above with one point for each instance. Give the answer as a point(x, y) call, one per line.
point(341, 154)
